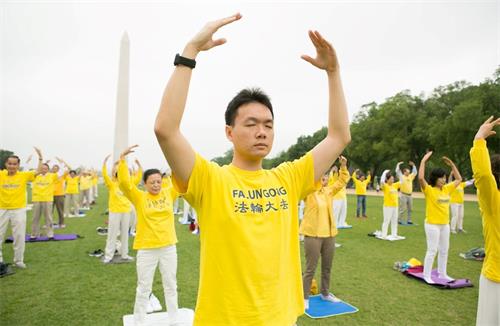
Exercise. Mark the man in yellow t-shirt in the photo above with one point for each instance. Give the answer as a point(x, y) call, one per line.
point(13, 204)
point(249, 255)
point(43, 196)
point(360, 184)
point(390, 208)
point(457, 206)
point(486, 173)
point(85, 186)
point(405, 200)
point(58, 203)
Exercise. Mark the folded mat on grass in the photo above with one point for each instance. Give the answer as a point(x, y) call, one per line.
point(57, 237)
point(417, 272)
point(319, 308)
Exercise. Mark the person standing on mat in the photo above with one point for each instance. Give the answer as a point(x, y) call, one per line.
point(58, 203)
point(13, 204)
point(486, 173)
point(319, 230)
point(390, 209)
point(405, 199)
point(339, 202)
point(360, 184)
point(119, 208)
point(249, 250)
point(437, 215)
point(72, 200)
point(155, 237)
point(43, 196)
point(457, 206)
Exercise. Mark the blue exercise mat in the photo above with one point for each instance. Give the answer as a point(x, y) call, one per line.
point(344, 227)
point(322, 309)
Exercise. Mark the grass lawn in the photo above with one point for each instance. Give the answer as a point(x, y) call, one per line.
point(64, 286)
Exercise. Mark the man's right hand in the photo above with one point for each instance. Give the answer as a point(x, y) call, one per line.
point(204, 41)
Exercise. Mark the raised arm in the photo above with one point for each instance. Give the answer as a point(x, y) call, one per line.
point(126, 186)
point(413, 168)
point(383, 177)
point(421, 170)
point(138, 174)
point(342, 179)
point(454, 171)
point(339, 135)
point(40, 160)
point(107, 179)
point(399, 174)
point(177, 150)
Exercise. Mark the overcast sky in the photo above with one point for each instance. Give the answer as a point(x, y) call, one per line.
point(59, 65)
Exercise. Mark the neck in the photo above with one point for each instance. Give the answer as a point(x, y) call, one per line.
point(245, 163)
point(11, 173)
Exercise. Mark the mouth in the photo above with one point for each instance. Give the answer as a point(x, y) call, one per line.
point(260, 145)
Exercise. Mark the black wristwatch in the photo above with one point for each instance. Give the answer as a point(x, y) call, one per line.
point(180, 60)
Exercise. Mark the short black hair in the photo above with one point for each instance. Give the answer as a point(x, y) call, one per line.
point(495, 168)
point(436, 174)
point(48, 167)
point(13, 156)
point(72, 171)
point(245, 96)
point(148, 173)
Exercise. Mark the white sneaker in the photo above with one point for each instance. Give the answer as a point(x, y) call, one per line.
point(330, 297)
point(429, 280)
point(155, 303)
point(446, 277)
point(337, 245)
point(128, 258)
point(306, 304)
point(20, 264)
point(149, 308)
point(106, 261)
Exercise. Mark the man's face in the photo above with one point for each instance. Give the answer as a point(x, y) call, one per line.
point(12, 165)
point(253, 132)
point(45, 169)
point(406, 172)
point(55, 169)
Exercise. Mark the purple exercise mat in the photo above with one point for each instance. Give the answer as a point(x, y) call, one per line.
point(57, 237)
point(417, 272)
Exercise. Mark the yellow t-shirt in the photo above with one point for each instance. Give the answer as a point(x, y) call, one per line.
point(43, 187)
point(391, 194)
point(360, 185)
point(95, 180)
point(155, 217)
point(85, 182)
point(437, 204)
point(407, 183)
point(72, 185)
point(319, 220)
point(13, 189)
point(489, 204)
point(59, 185)
point(117, 202)
point(457, 197)
point(250, 271)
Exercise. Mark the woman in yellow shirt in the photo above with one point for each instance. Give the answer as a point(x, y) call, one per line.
point(360, 184)
point(487, 180)
point(319, 231)
point(437, 215)
point(119, 215)
point(390, 209)
point(457, 206)
point(155, 237)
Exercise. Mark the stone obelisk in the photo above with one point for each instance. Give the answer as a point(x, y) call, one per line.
point(121, 116)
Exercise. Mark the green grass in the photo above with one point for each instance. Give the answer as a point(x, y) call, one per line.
point(64, 286)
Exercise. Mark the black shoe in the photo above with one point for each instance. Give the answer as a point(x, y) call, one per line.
point(409, 222)
point(51, 238)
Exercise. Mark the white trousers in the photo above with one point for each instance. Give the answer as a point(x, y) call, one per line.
point(457, 217)
point(438, 241)
point(117, 223)
point(340, 211)
point(187, 209)
point(147, 260)
point(17, 219)
point(390, 217)
point(133, 219)
point(488, 305)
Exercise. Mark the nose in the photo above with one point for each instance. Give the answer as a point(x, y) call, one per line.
point(261, 132)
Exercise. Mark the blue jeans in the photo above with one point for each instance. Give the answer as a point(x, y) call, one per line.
point(361, 205)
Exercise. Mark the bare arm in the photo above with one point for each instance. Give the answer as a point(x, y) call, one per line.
point(454, 171)
point(327, 151)
point(177, 150)
point(421, 170)
point(40, 160)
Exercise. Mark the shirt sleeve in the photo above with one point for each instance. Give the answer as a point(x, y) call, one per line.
point(299, 175)
point(129, 190)
point(198, 180)
point(107, 179)
point(483, 176)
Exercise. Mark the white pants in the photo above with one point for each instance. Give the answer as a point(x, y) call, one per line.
point(133, 219)
point(147, 260)
point(457, 217)
point(118, 223)
point(17, 218)
point(340, 211)
point(488, 305)
point(390, 217)
point(187, 209)
point(438, 240)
